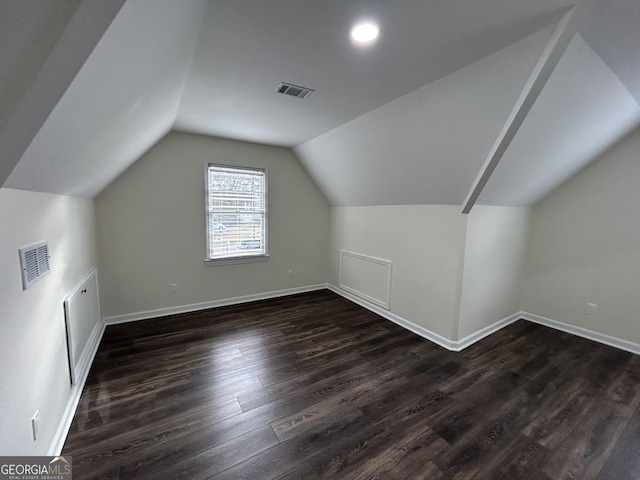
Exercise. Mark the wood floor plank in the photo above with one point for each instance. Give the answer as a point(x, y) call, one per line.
point(624, 461)
point(358, 397)
point(216, 459)
point(519, 459)
point(593, 439)
point(346, 451)
point(314, 386)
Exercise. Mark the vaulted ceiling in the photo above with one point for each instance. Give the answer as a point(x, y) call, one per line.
point(495, 101)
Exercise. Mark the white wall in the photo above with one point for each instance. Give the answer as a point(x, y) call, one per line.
point(425, 244)
point(151, 229)
point(34, 373)
point(496, 243)
point(585, 247)
point(452, 274)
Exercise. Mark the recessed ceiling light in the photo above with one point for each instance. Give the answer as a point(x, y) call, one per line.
point(365, 32)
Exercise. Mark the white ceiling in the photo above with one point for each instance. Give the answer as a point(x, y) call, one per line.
point(613, 31)
point(409, 150)
point(247, 48)
point(32, 33)
point(123, 100)
point(408, 120)
point(584, 110)
point(44, 45)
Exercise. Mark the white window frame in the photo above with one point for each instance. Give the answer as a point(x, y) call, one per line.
point(230, 260)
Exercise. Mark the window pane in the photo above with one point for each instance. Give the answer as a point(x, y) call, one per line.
point(237, 212)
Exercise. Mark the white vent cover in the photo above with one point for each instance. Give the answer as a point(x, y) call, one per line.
point(294, 90)
point(34, 261)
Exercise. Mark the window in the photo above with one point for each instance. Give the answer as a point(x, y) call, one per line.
point(236, 213)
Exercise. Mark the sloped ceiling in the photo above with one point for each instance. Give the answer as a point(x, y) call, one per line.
point(407, 151)
point(584, 110)
point(409, 120)
point(44, 45)
point(247, 48)
point(613, 32)
point(123, 100)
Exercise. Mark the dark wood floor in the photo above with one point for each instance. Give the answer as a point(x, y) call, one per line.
point(313, 386)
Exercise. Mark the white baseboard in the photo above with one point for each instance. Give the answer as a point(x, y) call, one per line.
point(583, 332)
point(403, 322)
point(194, 307)
point(458, 345)
point(486, 331)
point(82, 373)
point(452, 345)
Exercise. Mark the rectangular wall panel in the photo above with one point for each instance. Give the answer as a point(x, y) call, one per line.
point(367, 277)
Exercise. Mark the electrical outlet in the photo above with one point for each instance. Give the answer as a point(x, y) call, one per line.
point(290, 273)
point(592, 309)
point(34, 425)
point(174, 288)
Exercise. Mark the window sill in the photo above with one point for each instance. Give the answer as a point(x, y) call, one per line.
point(236, 260)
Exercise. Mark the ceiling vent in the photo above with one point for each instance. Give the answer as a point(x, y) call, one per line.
point(294, 90)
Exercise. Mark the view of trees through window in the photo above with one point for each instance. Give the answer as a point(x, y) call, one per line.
point(237, 211)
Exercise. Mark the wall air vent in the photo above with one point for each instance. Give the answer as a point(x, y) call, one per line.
point(34, 261)
point(294, 90)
